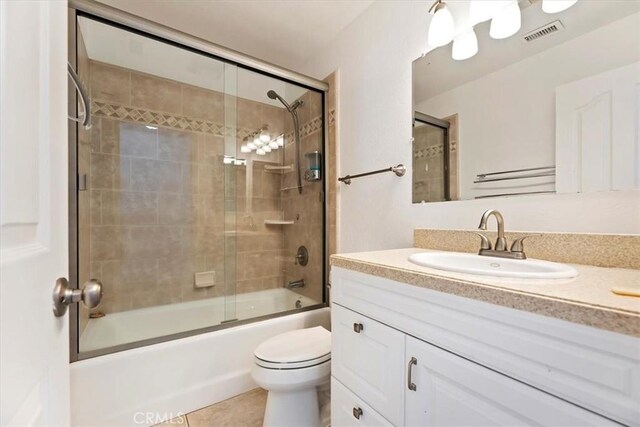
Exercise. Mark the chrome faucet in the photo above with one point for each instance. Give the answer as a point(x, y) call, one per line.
point(501, 241)
point(500, 249)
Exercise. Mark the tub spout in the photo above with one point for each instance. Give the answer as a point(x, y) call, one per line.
point(295, 284)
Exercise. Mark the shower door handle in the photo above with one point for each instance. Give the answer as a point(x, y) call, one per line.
point(64, 295)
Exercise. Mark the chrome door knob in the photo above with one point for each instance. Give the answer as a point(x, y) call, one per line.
point(63, 295)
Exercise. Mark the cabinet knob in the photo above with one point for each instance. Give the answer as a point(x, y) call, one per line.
point(357, 328)
point(357, 412)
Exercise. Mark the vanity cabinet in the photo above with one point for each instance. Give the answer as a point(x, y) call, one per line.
point(404, 355)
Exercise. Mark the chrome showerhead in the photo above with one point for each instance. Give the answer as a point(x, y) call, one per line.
point(273, 95)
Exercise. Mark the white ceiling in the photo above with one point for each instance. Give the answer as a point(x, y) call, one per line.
point(115, 46)
point(436, 72)
point(283, 32)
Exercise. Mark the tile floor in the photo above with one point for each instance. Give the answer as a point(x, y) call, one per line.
point(245, 410)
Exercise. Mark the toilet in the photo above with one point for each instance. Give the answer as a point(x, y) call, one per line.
point(291, 366)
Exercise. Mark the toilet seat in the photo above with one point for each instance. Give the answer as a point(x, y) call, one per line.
point(297, 349)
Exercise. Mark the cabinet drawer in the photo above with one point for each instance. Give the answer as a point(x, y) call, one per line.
point(367, 357)
point(349, 410)
point(452, 391)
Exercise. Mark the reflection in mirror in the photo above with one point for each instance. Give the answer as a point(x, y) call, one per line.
point(554, 108)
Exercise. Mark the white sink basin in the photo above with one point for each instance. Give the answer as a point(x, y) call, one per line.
point(493, 266)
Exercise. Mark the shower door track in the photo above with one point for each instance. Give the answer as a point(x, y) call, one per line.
point(144, 27)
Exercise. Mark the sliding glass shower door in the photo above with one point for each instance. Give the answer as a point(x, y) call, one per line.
point(199, 191)
point(152, 222)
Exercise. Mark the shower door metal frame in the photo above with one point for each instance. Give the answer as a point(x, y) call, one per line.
point(144, 27)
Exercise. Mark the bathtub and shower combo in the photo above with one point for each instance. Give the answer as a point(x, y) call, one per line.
point(194, 203)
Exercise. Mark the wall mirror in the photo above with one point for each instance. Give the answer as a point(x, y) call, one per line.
point(553, 108)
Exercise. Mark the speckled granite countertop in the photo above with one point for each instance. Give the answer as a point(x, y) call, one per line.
point(586, 299)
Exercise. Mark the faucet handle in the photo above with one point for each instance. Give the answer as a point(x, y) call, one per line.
point(517, 245)
point(485, 242)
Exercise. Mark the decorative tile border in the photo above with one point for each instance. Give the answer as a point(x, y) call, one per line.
point(601, 250)
point(148, 117)
point(429, 152)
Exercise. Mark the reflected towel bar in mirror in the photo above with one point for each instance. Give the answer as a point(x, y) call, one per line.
point(537, 172)
point(399, 170)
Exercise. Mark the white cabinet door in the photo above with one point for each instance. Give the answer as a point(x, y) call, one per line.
point(453, 391)
point(367, 357)
point(347, 409)
point(34, 349)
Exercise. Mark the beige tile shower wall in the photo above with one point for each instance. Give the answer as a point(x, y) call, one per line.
point(158, 196)
point(428, 164)
point(305, 209)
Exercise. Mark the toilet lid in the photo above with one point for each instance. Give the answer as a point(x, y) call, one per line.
point(302, 347)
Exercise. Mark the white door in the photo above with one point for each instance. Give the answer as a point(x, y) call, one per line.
point(598, 132)
point(34, 350)
point(452, 391)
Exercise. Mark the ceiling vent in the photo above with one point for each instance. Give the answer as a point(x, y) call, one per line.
point(550, 28)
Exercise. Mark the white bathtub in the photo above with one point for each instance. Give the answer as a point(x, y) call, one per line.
point(146, 385)
point(137, 325)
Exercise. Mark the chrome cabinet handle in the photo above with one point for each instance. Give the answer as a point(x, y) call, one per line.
point(357, 328)
point(64, 295)
point(410, 383)
point(357, 413)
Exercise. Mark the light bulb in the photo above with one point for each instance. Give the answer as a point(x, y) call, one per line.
point(264, 135)
point(555, 6)
point(465, 45)
point(274, 145)
point(506, 23)
point(483, 10)
point(260, 152)
point(257, 141)
point(251, 146)
point(266, 148)
point(280, 140)
point(442, 27)
point(245, 148)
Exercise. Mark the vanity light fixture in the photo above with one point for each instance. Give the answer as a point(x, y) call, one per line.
point(506, 22)
point(264, 135)
point(555, 6)
point(442, 28)
point(483, 10)
point(465, 45)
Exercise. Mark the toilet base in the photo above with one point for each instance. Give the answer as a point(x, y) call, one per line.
point(298, 408)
